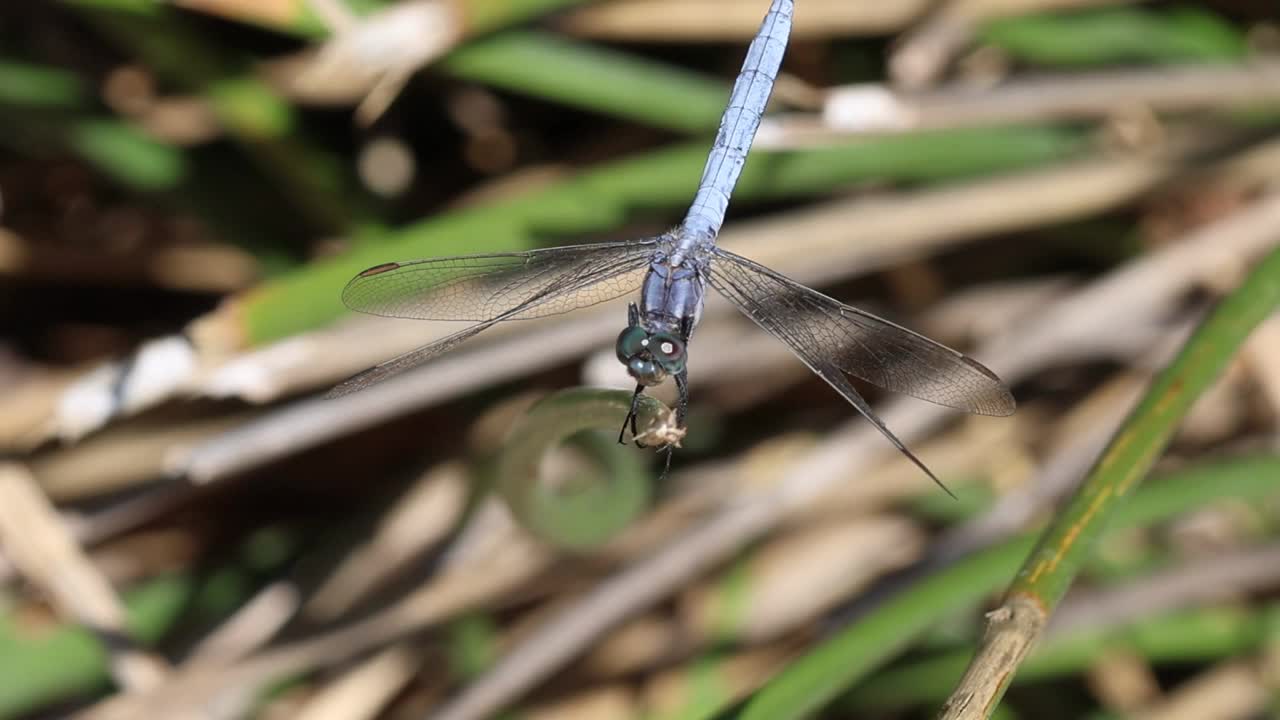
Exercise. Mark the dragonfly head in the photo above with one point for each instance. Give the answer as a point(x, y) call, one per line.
point(650, 357)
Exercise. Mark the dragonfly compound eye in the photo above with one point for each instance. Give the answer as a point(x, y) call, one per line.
point(646, 372)
point(631, 342)
point(668, 352)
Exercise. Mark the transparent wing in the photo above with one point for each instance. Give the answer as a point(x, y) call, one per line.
point(828, 333)
point(533, 284)
point(490, 289)
point(400, 363)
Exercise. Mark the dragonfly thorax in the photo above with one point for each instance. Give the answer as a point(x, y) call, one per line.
point(671, 297)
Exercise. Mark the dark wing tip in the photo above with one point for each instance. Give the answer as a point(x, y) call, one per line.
point(920, 464)
point(998, 401)
point(907, 452)
point(378, 269)
point(340, 390)
point(354, 288)
point(1006, 405)
point(359, 381)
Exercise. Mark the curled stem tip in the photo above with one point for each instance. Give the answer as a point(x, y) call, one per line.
point(579, 505)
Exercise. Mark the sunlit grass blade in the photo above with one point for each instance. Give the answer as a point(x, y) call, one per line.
point(834, 666)
point(1066, 544)
point(593, 78)
point(1111, 35)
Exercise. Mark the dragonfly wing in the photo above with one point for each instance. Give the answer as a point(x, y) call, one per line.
point(512, 286)
point(406, 361)
point(827, 333)
point(489, 289)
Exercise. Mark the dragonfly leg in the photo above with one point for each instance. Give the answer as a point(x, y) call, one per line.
point(668, 450)
point(682, 403)
point(630, 420)
point(682, 410)
point(682, 377)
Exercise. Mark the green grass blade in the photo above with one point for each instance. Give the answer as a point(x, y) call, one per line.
point(65, 660)
point(1117, 35)
point(1185, 636)
point(1067, 543)
point(42, 668)
point(593, 78)
point(127, 154)
point(829, 669)
point(27, 85)
point(822, 674)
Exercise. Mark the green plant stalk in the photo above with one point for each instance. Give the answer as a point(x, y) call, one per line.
point(1065, 545)
point(829, 669)
point(1199, 635)
point(607, 197)
point(1048, 572)
point(595, 506)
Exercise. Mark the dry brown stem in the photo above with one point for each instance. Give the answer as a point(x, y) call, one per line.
point(41, 547)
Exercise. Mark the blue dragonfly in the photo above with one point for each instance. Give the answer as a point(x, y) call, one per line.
point(672, 271)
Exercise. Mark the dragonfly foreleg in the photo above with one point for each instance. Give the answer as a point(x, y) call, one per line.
point(682, 400)
point(630, 419)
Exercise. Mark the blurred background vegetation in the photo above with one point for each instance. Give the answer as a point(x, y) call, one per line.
point(1065, 188)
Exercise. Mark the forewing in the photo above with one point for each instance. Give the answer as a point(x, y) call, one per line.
point(827, 333)
point(507, 286)
point(490, 289)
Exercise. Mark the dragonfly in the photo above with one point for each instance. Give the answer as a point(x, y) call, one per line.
point(671, 271)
